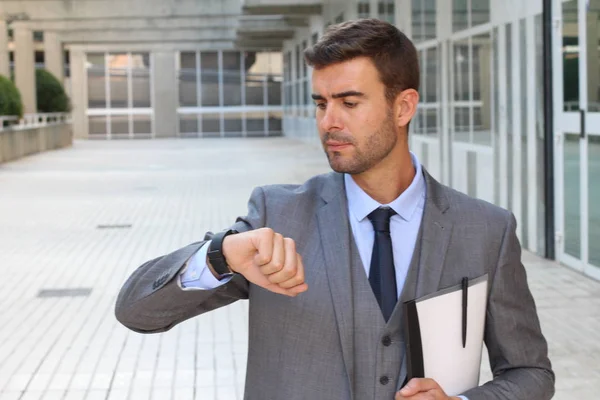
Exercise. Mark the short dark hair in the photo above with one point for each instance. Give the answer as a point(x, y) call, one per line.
point(393, 54)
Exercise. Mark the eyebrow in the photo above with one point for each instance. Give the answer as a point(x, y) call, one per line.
point(339, 95)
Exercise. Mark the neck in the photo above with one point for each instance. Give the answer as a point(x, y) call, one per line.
point(390, 178)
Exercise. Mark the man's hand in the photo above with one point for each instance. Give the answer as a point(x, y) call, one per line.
point(422, 389)
point(266, 259)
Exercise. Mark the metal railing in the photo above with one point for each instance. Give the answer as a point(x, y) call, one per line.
point(33, 120)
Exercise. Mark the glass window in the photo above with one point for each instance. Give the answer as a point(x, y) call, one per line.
point(118, 65)
point(211, 125)
point(119, 125)
point(432, 64)
point(570, 55)
point(480, 12)
point(482, 89)
point(96, 81)
point(469, 13)
point(339, 18)
point(140, 80)
point(188, 125)
point(97, 125)
point(232, 78)
point(386, 10)
point(364, 9)
point(209, 73)
point(255, 123)
point(188, 89)
point(460, 17)
point(233, 124)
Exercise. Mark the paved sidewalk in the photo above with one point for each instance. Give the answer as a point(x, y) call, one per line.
point(85, 217)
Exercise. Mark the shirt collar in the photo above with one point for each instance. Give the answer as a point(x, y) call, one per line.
point(361, 204)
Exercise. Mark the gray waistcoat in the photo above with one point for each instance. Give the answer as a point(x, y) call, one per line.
point(379, 347)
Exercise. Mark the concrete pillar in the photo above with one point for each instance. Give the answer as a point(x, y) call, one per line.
point(25, 68)
point(166, 94)
point(79, 96)
point(54, 55)
point(4, 59)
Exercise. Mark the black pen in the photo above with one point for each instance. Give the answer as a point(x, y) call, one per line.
point(465, 289)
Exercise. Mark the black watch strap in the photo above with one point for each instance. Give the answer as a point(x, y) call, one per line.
point(215, 253)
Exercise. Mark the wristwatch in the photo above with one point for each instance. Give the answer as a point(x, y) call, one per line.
point(215, 254)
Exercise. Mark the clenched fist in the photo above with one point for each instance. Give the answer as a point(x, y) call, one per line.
point(266, 259)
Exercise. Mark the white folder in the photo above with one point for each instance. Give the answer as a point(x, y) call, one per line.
point(435, 325)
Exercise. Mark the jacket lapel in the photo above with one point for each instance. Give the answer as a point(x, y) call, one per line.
point(336, 238)
point(436, 230)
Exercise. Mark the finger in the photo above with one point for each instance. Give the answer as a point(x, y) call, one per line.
point(263, 242)
point(289, 269)
point(418, 396)
point(417, 385)
point(298, 279)
point(277, 257)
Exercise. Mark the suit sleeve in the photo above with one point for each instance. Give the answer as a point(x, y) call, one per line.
point(517, 349)
point(152, 301)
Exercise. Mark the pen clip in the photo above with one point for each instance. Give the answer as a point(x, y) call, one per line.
point(465, 290)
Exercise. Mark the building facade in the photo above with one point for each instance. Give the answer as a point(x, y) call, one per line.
point(510, 89)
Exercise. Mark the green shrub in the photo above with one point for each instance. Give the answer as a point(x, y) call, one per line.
point(51, 96)
point(10, 98)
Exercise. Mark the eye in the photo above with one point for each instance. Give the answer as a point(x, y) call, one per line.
point(349, 104)
point(320, 106)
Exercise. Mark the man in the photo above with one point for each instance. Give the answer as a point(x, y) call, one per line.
point(327, 265)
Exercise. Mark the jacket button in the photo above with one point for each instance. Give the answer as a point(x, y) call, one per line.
point(384, 380)
point(386, 341)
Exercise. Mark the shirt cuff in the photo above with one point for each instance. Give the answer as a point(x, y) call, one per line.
point(197, 276)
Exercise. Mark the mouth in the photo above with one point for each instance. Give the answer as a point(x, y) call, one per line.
point(337, 146)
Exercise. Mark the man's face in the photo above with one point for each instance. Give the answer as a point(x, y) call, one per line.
point(354, 119)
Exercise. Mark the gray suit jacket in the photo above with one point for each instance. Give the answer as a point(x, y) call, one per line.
point(302, 348)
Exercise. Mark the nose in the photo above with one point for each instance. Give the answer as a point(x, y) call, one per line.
point(330, 119)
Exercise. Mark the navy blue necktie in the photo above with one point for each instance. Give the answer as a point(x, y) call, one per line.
point(382, 275)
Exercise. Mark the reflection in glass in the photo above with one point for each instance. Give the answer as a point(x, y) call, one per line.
point(570, 55)
point(572, 195)
point(594, 199)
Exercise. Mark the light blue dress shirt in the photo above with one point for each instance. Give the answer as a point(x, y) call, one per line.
point(404, 228)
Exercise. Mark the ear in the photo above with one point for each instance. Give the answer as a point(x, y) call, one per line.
point(405, 107)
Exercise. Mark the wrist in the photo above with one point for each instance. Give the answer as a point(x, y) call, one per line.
point(216, 260)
